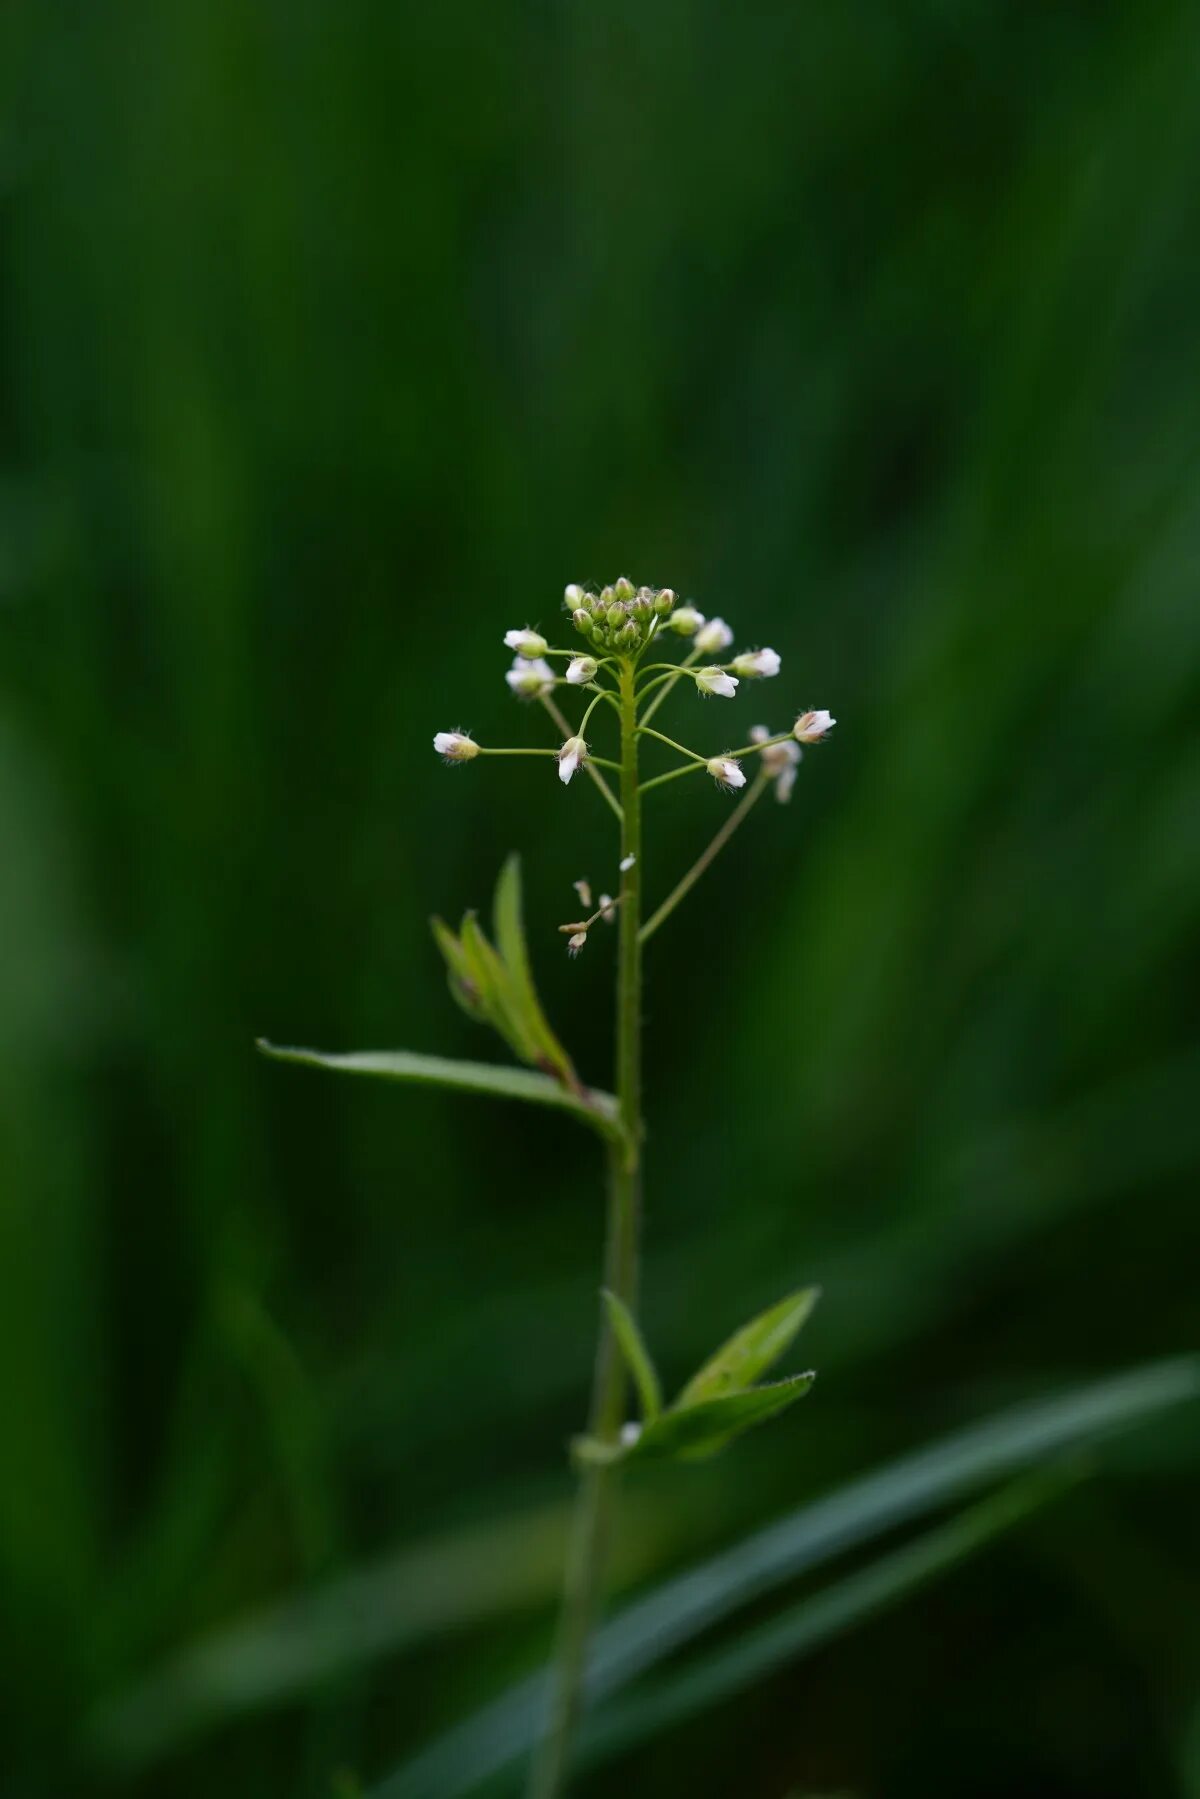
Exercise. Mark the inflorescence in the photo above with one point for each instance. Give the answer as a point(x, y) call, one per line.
point(621, 623)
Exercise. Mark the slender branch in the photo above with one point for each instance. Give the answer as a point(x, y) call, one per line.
point(673, 774)
point(587, 1555)
point(663, 691)
point(670, 741)
point(680, 891)
point(589, 767)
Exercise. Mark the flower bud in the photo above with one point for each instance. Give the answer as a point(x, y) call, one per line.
point(616, 613)
point(571, 756)
point(573, 596)
point(624, 588)
point(628, 637)
point(715, 680)
point(727, 773)
point(607, 596)
point(530, 679)
point(687, 621)
point(581, 670)
point(455, 746)
point(583, 888)
point(608, 910)
point(527, 643)
point(576, 943)
point(810, 727)
point(643, 608)
point(664, 600)
point(713, 636)
point(582, 620)
point(751, 663)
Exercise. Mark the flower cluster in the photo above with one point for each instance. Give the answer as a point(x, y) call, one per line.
point(622, 624)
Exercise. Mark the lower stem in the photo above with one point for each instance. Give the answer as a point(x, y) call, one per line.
point(588, 1549)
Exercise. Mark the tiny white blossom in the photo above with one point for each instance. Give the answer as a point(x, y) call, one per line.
point(810, 727)
point(571, 755)
point(584, 890)
point(527, 643)
point(581, 670)
point(529, 680)
point(713, 636)
point(630, 1433)
point(762, 663)
point(626, 864)
point(573, 596)
point(576, 943)
point(727, 773)
point(780, 760)
point(607, 910)
point(455, 746)
point(686, 620)
point(715, 680)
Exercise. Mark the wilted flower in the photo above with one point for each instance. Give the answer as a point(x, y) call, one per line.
point(529, 680)
point(810, 727)
point(576, 943)
point(455, 746)
point(763, 663)
point(571, 755)
point(686, 620)
point(780, 760)
point(715, 635)
point(714, 680)
point(581, 670)
point(527, 643)
point(727, 773)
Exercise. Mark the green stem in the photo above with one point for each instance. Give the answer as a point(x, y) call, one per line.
point(683, 887)
point(671, 743)
point(593, 773)
point(663, 691)
point(587, 1554)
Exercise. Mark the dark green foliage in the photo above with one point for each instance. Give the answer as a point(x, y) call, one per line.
point(335, 340)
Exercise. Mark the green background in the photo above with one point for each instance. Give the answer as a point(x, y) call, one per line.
point(334, 340)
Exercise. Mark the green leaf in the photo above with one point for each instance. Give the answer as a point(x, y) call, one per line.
point(637, 1356)
point(495, 983)
point(499, 1734)
point(510, 941)
point(692, 1432)
point(463, 988)
point(816, 1619)
point(752, 1350)
point(599, 1110)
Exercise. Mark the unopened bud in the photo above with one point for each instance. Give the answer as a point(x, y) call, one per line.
point(756, 663)
point(571, 755)
point(727, 773)
point(616, 613)
point(664, 600)
point(624, 588)
point(686, 620)
point(713, 636)
point(628, 637)
point(581, 670)
point(573, 596)
point(576, 943)
point(810, 727)
point(581, 620)
point(527, 643)
point(455, 746)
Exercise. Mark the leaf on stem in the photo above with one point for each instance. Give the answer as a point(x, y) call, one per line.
point(751, 1350)
point(691, 1433)
point(599, 1110)
point(637, 1356)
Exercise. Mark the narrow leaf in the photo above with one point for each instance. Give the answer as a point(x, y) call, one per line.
point(752, 1350)
point(510, 941)
point(599, 1110)
point(458, 971)
point(498, 1734)
point(817, 1619)
point(496, 984)
point(637, 1356)
point(693, 1432)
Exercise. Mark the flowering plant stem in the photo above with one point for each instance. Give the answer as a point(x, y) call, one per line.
point(587, 1553)
point(684, 886)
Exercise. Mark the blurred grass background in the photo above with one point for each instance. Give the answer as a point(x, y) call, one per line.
point(334, 341)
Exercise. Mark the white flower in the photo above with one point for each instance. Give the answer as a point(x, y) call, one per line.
point(573, 596)
point(686, 620)
point(576, 943)
point(571, 755)
point(581, 670)
point(626, 863)
point(780, 760)
point(810, 727)
point(763, 663)
point(715, 680)
point(715, 635)
point(529, 680)
point(727, 773)
point(527, 643)
point(584, 889)
point(455, 746)
point(607, 909)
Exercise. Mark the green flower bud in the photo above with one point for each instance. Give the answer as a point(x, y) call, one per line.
point(624, 588)
point(616, 613)
point(628, 637)
point(573, 596)
point(582, 620)
point(664, 601)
